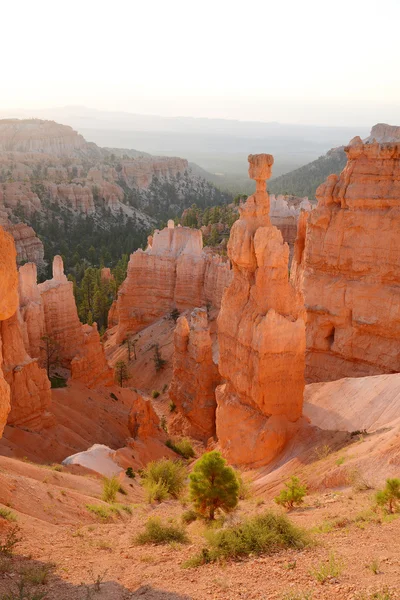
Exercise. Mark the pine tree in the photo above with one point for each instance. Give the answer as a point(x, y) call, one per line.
point(213, 485)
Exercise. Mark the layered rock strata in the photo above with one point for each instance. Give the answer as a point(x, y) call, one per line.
point(261, 335)
point(173, 272)
point(8, 306)
point(348, 267)
point(195, 377)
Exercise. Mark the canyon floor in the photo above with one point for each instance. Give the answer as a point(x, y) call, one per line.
point(59, 535)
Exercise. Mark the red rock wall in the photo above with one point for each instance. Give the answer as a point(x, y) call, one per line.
point(261, 335)
point(350, 268)
point(8, 306)
point(173, 272)
point(195, 377)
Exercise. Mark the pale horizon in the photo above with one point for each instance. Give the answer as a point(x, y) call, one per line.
point(289, 63)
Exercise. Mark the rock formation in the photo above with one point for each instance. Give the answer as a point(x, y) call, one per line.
point(285, 212)
point(35, 135)
point(383, 133)
point(49, 309)
point(348, 267)
point(195, 377)
point(174, 272)
point(261, 335)
point(8, 306)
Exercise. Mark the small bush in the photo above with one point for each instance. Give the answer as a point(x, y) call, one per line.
point(327, 570)
point(189, 516)
point(169, 475)
point(103, 512)
point(293, 494)
point(297, 595)
point(58, 382)
point(165, 387)
point(245, 490)
point(174, 314)
point(156, 492)
point(163, 424)
point(111, 487)
point(322, 452)
point(262, 534)
point(389, 497)
point(7, 514)
point(157, 532)
point(159, 362)
point(374, 566)
point(183, 447)
point(213, 485)
point(172, 406)
point(130, 473)
point(155, 394)
point(11, 539)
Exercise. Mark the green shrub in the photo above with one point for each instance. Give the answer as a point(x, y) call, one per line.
point(245, 490)
point(103, 512)
point(36, 575)
point(262, 534)
point(130, 473)
point(155, 394)
point(213, 485)
point(293, 494)
point(327, 570)
point(58, 382)
point(169, 475)
point(7, 514)
point(389, 497)
point(10, 540)
point(172, 406)
point(174, 314)
point(111, 487)
point(297, 595)
point(157, 532)
point(156, 492)
point(189, 516)
point(183, 447)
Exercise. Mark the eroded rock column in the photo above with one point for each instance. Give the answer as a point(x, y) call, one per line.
point(261, 334)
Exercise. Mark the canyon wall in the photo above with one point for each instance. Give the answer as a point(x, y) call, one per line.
point(348, 267)
point(173, 272)
point(195, 377)
point(261, 335)
point(8, 306)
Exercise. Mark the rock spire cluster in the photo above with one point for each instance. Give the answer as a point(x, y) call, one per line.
point(261, 335)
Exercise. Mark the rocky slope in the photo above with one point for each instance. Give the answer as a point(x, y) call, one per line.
point(349, 269)
point(261, 331)
point(50, 176)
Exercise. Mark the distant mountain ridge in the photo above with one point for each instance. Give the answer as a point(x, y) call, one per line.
point(305, 180)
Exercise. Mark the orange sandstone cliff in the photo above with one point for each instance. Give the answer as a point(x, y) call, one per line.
point(195, 377)
point(8, 306)
point(347, 264)
point(173, 272)
point(261, 335)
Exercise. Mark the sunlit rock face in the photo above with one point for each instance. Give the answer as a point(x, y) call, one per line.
point(195, 377)
point(173, 272)
point(261, 335)
point(8, 306)
point(348, 267)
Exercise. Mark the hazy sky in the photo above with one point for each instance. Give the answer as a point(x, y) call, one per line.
point(299, 61)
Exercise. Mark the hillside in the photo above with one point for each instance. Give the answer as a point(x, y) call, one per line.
point(305, 180)
point(78, 196)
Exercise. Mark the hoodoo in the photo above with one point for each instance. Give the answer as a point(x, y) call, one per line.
point(347, 263)
point(261, 334)
point(195, 376)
